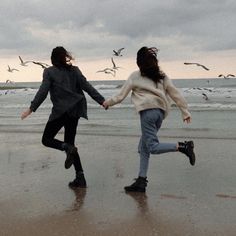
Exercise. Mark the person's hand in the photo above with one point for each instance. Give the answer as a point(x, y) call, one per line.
point(26, 113)
point(105, 105)
point(188, 119)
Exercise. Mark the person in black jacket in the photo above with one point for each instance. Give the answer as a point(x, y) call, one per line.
point(66, 85)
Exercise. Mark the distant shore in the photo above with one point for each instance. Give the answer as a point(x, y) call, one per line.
point(11, 87)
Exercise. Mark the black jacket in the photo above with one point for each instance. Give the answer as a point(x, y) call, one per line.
point(66, 88)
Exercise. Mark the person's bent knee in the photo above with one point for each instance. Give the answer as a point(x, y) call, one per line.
point(153, 149)
point(45, 141)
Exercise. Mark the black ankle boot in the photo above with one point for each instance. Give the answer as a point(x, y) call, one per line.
point(187, 148)
point(71, 153)
point(78, 182)
point(139, 185)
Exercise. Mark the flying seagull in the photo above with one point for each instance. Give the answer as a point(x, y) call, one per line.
point(108, 71)
point(11, 69)
point(43, 65)
point(23, 63)
point(227, 76)
point(205, 96)
point(9, 81)
point(118, 52)
point(114, 65)
point(197, 64)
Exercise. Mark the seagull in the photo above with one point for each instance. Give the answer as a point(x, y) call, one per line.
point(43, 65)
point(114, 65)
point(9, 81)
point(227, 76)
point(193, 63)
point(11, 69)
point(118, 52)
point(108, 71)
point(23, 63)
point(205, 96)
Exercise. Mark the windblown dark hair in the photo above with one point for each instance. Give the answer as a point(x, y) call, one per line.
point(148, 64)
point(61, 58)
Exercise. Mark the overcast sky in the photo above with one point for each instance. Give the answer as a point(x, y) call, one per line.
point(181, 29)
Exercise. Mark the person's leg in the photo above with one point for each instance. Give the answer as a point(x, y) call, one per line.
point(144, 156)
point(48, 138)
point(141, 182)
point(71, 124)
point(151, 121)
point(69, 137)
point(50, 131)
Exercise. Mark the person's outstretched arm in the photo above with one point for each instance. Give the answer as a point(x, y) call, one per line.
point(125, 89)
point(40, 95)
point(178, 98)
point(88, 88)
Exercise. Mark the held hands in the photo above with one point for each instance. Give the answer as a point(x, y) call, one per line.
point(188, 119)
point(26, 113)
point(105, 105)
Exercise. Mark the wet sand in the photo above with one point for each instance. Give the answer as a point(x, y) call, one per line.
point(180, 199)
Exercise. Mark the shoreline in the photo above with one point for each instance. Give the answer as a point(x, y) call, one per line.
point(161, 136)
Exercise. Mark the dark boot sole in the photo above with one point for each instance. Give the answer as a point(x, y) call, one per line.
point(78, 182)
point(139, 190)
point(77, 185)
point(192, 158)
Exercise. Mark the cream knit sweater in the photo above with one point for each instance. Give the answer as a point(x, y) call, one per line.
point(147, 95)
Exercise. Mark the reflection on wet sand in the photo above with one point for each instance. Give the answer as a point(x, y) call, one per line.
point(35, 198)
point(142, 201)
point(80, 194)
point(147, 221)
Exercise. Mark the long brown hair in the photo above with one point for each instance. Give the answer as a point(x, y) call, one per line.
point(148, 64)
point(61, 58)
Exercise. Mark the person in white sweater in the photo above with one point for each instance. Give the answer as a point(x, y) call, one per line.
point(151, 93)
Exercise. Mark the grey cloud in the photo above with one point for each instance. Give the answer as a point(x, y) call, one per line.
point(96, 27)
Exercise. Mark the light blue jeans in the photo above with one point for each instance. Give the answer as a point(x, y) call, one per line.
point(151, 121)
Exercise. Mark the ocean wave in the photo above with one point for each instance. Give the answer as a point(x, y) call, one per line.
point(213, 106)
point(94, 105)
point(15, 106)
point(106, 86)
point(205, 106)
point(210, 91)
point(20, 91)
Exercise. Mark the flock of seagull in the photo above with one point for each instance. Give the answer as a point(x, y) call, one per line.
point(207, 69)
point(117, 53)
point(108, 70)
point(112, 70)
point(24, 63)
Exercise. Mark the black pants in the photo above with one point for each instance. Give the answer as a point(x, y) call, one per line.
point(53, 127)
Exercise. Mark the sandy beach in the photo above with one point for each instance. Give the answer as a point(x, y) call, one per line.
point(180, 199)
